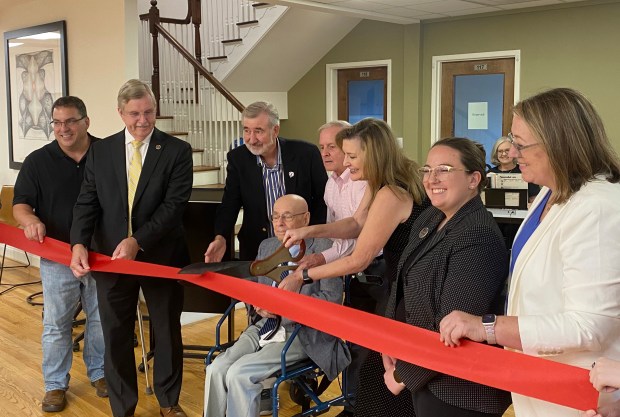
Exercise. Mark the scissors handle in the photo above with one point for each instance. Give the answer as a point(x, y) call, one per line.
point(265, 266)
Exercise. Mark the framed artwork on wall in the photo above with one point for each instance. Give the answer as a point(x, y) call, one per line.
point(36, 75)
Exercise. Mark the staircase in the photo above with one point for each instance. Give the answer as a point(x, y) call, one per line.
point(184, 75)
point(204, 175)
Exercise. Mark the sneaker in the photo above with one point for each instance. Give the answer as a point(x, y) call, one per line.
point(266, 404)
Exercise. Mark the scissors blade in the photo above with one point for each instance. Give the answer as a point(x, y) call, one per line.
point(238, 269)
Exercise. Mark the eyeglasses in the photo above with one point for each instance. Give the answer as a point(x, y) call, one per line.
point(503, 151)
point(56, 124)
point(149, 114)
point(518, 147)
point(440, 171)
point(287, 217)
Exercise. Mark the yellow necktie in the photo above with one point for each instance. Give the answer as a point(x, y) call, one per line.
point(135, 167)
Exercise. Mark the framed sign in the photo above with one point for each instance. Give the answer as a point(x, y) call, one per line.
point(36, 75)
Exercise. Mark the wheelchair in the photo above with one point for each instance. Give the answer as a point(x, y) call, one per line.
point(306, 388)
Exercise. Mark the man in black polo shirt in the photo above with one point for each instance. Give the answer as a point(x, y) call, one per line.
point(45, 192)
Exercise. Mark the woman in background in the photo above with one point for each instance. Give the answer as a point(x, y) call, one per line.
point(506, 164)
point(499, 157)
point(564, 297)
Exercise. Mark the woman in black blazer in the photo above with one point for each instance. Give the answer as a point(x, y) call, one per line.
point(455, 260)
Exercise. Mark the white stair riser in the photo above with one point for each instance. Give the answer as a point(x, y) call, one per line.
point(165, 125)
point(206, 177)
point(197, 158)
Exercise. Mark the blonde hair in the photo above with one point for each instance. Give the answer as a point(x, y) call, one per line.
point(499, 142)
point(385, 165)
point(132, 90)
point(573, 136)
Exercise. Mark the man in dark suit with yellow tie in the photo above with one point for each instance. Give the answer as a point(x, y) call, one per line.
point(136, 186)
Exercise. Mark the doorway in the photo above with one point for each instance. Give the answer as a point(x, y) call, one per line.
point(362, 93)
point(473, 96)
point(355, 90)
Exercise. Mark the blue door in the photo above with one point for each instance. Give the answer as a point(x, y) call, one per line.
point(362, 93)
point(477, 99)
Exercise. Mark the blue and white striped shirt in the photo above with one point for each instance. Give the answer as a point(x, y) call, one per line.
point(273, 182)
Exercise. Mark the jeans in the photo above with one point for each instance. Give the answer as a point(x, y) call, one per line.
point(61, 293)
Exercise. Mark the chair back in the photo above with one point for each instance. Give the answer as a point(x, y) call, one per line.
point(6, 205)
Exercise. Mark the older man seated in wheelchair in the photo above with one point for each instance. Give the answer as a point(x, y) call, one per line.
point(233, 381)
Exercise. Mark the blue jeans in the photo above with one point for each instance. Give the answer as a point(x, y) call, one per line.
point(61, 293)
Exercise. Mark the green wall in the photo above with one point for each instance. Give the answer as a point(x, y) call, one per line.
point(576, 45)
point(368, 41)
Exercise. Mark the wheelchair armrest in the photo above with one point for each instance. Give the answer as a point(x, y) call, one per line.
point(217, 346)
point(286, 347)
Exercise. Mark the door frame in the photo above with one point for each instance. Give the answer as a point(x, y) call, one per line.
point(331, 85)
point(439, 60)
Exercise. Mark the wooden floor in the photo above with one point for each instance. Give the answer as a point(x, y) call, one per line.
point(21, 383)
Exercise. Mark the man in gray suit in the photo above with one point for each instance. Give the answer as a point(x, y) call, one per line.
point(233, 381)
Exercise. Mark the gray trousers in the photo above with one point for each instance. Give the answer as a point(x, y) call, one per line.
point(233, 381)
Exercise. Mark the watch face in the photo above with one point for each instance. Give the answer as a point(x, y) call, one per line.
point(488, 319)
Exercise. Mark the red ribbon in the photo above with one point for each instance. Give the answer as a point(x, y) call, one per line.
point(511, 371)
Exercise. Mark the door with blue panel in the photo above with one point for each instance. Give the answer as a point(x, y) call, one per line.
point(362, 93)
point(476, 100)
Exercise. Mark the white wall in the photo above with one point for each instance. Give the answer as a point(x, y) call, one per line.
point(99, 53)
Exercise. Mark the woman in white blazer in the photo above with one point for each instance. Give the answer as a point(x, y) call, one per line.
point(564, 298)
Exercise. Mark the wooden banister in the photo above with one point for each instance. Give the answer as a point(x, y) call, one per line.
point(153, 21)
point(197, 66)
point(185, 21)
point(196, 21)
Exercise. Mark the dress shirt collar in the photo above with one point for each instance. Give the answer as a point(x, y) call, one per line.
point(342, 179)
point(261, 162)
point(129, 138)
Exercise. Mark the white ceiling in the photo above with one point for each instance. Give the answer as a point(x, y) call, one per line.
point(414, 11)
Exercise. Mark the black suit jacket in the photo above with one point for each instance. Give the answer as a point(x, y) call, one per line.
point(462, 267)
point(304, 174)
point(162, 193)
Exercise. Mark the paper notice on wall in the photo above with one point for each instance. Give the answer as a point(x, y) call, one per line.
point(478, 116)
point(511, 199)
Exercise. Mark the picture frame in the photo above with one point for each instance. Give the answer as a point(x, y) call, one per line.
point(36, 75)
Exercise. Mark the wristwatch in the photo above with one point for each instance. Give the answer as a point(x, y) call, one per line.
point(488, 321)
point(306, 277)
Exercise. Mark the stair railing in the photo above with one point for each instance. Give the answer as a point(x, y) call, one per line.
point(185, 89)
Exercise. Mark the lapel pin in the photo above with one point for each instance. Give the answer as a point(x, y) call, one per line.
point(158, 147)
point(291, 174)
point(423, 233)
